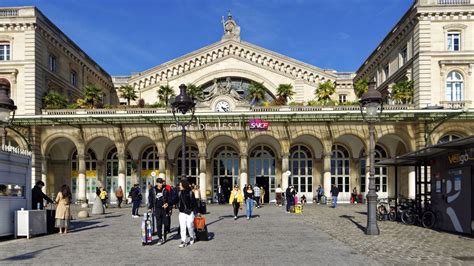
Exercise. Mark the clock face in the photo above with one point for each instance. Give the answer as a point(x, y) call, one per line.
point(222, 106)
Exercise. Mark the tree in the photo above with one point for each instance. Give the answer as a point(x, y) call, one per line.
point(402, 92)
point(195, 92)
point(285, 91)
point(128, 92)
point(361, 87)
point(92, 95)
point(324, 91)
point(165, 92)
point(54, 100)
point(256, 92)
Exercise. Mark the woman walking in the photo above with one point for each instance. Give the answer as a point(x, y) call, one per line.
point(187, 206)
point(119, 195)
point(63, 213)
point(262, 196)
point(249, 195)
point(236, 198)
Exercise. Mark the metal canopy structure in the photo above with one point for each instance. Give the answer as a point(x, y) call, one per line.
point(421, 160)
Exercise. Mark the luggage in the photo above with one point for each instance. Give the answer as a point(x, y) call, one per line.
point(146, 229)
point(296, 200)
point(50, 221)
point(292, 209)
point(299, 209)
point(202, 235)
point(324, 200)
point(203, 209)
point(199, 223)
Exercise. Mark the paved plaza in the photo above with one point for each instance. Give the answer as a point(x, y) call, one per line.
point(321, 235)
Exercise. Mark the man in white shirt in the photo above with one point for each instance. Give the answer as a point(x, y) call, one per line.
point(278, 192)
point(256, 194)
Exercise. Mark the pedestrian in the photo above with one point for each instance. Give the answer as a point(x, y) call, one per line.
point(119, 196)
point(320, 193)
point(262, 196)
point(256, 194)
point(278, 192)
point(187, 206)
point(63, 212)
point(103, 197)
point(290, 198)
point(158, 202)
point(249, 198)
point(197, 195)
point(220, 195)
point(334, 194)
point(236, 198)
point(37, 196)
point(136, 196)
point(303, 200)
point(354, 196)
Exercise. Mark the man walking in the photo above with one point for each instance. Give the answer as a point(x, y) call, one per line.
point(256, 194)
point(320, 193)
point(334, 194)
point(136, 200)
point(290, 198)
point(158, 203)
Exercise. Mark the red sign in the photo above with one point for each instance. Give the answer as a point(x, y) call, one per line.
point(258, 124)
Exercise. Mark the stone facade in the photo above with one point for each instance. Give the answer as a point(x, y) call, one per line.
point(318, 145)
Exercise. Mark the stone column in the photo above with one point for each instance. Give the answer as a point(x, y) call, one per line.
point(284, 168)
point(202, 177)
point(243, 170)
point(44, 172)
point(122, 171)
point(82, 178)
point(327, 174)
point(411, 182)
point(162, 165)
point(367, 174)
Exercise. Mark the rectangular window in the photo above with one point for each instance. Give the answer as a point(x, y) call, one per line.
point(386, 72)
point(53, 63)
point(73, 78)
point(454, 41)
point(342, 98)
point(4, 52)
point(403, 56)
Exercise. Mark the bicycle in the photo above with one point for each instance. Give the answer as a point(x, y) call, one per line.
point(384, 209)
point(427, 217)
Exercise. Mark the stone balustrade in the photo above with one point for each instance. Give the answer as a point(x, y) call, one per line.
point(455, 104)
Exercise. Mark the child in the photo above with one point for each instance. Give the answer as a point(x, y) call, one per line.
point(303, 199)
point(103, 197)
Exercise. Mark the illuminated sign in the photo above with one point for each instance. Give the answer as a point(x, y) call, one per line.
point(258, 124)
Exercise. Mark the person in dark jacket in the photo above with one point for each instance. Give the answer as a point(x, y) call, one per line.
point(136, 200)
point(334, 194)
point(159, 204)
point(187, 205)
point(290, 197)
point(37, 196)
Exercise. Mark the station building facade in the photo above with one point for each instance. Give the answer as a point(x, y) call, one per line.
point(233, 141)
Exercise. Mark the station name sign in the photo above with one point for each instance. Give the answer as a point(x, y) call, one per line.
point(252, 125)
point(15, 150)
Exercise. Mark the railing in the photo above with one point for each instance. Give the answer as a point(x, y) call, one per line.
point(455, 104)
point(454, 2)
point(8, 12)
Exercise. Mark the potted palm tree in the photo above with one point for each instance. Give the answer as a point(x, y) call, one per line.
point(361, 87)
point(402, 92)
point(92, 96)
point(54, 100)
point(324, 91)
point(195, 92)
point(165, 92)
point(285, 92)
point(256, 92)
point(128, 92)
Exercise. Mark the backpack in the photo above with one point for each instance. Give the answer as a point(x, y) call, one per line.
point(173, 195)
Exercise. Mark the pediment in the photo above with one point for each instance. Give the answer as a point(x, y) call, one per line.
point(222, 50)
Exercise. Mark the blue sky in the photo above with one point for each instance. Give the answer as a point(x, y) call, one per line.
point(131, 36)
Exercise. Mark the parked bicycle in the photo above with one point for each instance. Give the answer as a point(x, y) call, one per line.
point(384, 210)
point(426, 217)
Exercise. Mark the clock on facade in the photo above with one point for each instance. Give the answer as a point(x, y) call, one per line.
point(222, 106)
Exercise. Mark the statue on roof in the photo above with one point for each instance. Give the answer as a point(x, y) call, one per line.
point(231, 29)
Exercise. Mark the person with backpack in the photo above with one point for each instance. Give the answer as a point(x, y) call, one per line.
point(334, 194)
point(236, 198)
point(158, 203)
point(187, 206)
point(136, 200)
point(103, 197)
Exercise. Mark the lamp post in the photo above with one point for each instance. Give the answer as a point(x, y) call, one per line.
point(371, 106)
point(7, 108)
point(182, 105)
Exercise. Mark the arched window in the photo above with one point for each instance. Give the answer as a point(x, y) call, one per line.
point(191, 162)
point(90, 159)
point(262, 169)
point(150, 159)
point(454, 86)
point(340, 168)
point(380, 171)
point(225, 167)
point(113, 161)
point(301, 167)
point(111, 180)
point(448, 137)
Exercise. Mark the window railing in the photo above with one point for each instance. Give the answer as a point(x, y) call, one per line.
point(455, 104)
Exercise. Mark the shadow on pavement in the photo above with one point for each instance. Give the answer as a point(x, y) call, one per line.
point(88, 228)
point(28, 255)
point(351, 218)
point(363, 213)
point(113, 216)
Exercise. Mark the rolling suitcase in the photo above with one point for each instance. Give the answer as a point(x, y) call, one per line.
point(50, 221)
point(299, 209)
point(146, 229)
point(324, 200)
point(202, 234)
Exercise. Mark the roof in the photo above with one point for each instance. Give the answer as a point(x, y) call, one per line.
point(423, 155)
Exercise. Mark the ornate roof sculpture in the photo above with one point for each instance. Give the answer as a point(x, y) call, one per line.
point(231, 29)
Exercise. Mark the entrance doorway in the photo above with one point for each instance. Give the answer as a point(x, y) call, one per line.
point(226, 183)
point(264, 181)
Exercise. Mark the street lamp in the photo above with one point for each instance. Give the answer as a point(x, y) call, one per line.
point(182, 105)
point(7, 108)
point(371, 106)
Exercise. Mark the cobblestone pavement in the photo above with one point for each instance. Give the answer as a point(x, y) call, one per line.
point(396, 244)
point(272, 238)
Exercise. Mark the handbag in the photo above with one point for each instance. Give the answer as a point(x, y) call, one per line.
point(199, 223)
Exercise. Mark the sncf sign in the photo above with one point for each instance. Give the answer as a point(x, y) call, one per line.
point(258, 124)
